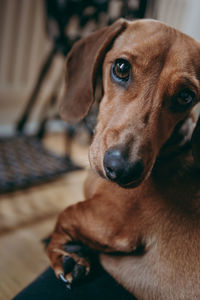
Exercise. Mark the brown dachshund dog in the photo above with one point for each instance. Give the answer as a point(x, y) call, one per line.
point(142, 198)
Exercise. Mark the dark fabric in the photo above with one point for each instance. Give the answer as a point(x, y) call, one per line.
point(100, 286)
point(25, 162)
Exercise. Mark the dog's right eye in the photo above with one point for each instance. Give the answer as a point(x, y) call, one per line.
point(121, 70)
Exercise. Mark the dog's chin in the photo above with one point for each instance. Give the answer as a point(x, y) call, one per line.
point(131, 185)
point(134, 183)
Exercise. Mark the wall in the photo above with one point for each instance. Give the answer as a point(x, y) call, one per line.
point(23, 48)
point(182, 14)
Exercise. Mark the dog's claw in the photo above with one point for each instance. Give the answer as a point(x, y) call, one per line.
point(78, 272)
point(65, 281)
point(62, 278)
point(68, 286)
point(73, 266)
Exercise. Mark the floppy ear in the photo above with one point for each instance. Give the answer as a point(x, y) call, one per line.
point(82, 67)
point(196, 143)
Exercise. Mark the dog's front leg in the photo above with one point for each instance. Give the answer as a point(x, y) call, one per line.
point(94, 223)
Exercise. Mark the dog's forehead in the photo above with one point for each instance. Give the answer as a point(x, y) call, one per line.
point(149, 39)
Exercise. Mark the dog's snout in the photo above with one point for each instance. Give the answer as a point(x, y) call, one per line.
point(119, 169)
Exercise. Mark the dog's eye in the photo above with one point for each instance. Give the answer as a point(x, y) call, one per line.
point(184, 100)
point(121, 69)
point(186, 97)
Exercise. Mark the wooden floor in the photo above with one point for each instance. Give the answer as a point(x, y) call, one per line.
point(26, 217)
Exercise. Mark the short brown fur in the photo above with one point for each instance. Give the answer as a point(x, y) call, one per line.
point(160, 213)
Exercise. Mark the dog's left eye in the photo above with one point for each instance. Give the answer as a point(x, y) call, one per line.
point(121, 69)
point(186, 97)
point(184, 100)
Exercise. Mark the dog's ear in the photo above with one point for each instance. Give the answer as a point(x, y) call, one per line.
point(82, 67)
point(196, 144)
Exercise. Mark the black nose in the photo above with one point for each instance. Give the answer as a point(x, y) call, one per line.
point(119, 169)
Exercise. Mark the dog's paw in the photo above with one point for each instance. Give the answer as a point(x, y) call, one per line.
point(73, 263)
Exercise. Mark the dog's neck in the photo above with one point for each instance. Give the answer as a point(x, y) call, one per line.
point(180, 139)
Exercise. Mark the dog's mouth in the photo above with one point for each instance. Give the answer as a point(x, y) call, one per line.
point(137, 182)
point(132, 184)
point(127, 184)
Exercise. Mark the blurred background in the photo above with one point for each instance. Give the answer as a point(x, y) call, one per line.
point(43, 161)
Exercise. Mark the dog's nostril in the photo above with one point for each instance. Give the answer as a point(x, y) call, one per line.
point(113, 164)
point(111, 173)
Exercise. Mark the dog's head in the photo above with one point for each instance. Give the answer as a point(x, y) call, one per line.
point(151, 81)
